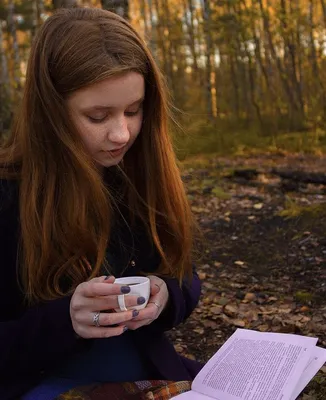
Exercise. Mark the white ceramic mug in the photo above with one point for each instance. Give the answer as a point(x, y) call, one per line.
point(139, 286)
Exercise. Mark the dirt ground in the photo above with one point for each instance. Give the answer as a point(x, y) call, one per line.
point(260, 268)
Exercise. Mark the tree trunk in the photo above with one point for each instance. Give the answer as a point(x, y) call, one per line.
point(143, 13)
point(153, 29)
point(4, 77)
point(209, 50)
point(238, 49)
point(120, 7)
point(5, 103)
point(290, 51)
point(173, 63)
point(266, 23)
point(161, 43)
point(318, 88)
point(272, 95)
point(252, 83)
point(323, 6)
point(64, 3)
point(300, 50)
point(188, 6)
point(312, 46)
point(38, 10)
point(11, 24)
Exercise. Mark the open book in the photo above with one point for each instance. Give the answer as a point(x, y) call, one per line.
point(258, 366)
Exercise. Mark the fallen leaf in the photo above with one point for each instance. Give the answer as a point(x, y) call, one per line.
point(210, 324)
point(241, 263)
point(258, 206)
point(250, 297)
point(223, 301)
point(208, 285)
point(238, 322)
point(263, 328)
point(191, 356)
point(178, 348)
point(216, 309)
point(230, 311)
point(202, 275)
point(284, 310)
point(200, 210)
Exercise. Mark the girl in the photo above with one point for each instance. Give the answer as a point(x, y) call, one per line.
point(90, 191)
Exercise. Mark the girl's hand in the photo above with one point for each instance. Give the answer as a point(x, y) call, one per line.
point(96, 295)
point(158, 300)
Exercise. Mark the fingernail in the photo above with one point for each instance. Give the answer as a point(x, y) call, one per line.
point(108, 277)
point(125, 329)
point(125, 289)
point(141, 300)
point(135, 313)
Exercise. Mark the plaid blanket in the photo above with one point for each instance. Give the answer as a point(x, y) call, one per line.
point(142, 390)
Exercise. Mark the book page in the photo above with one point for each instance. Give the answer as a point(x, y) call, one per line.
point(191, 395)
point(255, 366)
point(316, 362)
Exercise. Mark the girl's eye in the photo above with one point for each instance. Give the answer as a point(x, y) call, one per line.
point(96, 120)
point(132, 113)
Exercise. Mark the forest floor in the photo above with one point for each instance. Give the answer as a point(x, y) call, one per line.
point(263, 263)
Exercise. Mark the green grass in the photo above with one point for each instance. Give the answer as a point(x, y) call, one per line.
point(304, 297)
point(206, 139)
point(294, 210)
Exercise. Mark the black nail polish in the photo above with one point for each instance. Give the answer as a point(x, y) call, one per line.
point(125, 289)
point(141, 300)
point(125, 329)
point(107, 277)
point(135, 313)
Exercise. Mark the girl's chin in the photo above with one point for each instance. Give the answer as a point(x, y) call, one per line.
point(108, 163)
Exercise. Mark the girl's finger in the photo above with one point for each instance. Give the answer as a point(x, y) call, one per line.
point(103, 278)
point(100, 332)
point(107, 319)
point(133, 325)
point(109, 279)
point(155, 288)
point(108, 303)
point(151, 312)
point(101, 288)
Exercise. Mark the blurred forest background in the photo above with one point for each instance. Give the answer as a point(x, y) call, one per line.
point(242, 73)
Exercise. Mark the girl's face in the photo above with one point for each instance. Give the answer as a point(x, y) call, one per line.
point(108, 116)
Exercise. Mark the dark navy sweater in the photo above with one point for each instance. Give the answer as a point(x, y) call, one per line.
point(34, 340)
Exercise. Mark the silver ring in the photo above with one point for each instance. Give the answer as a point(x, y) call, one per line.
point(157, 305)
point(96, 318)
point(121, 302)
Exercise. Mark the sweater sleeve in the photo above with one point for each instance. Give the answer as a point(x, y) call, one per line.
point(38, 339)
point(32, 339)
point(182, 301)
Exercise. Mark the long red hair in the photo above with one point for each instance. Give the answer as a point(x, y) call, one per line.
point(66, 209)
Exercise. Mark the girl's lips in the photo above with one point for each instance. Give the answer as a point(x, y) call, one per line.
point(117, 153)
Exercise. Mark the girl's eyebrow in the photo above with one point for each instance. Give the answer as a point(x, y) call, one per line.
point(105, 107)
